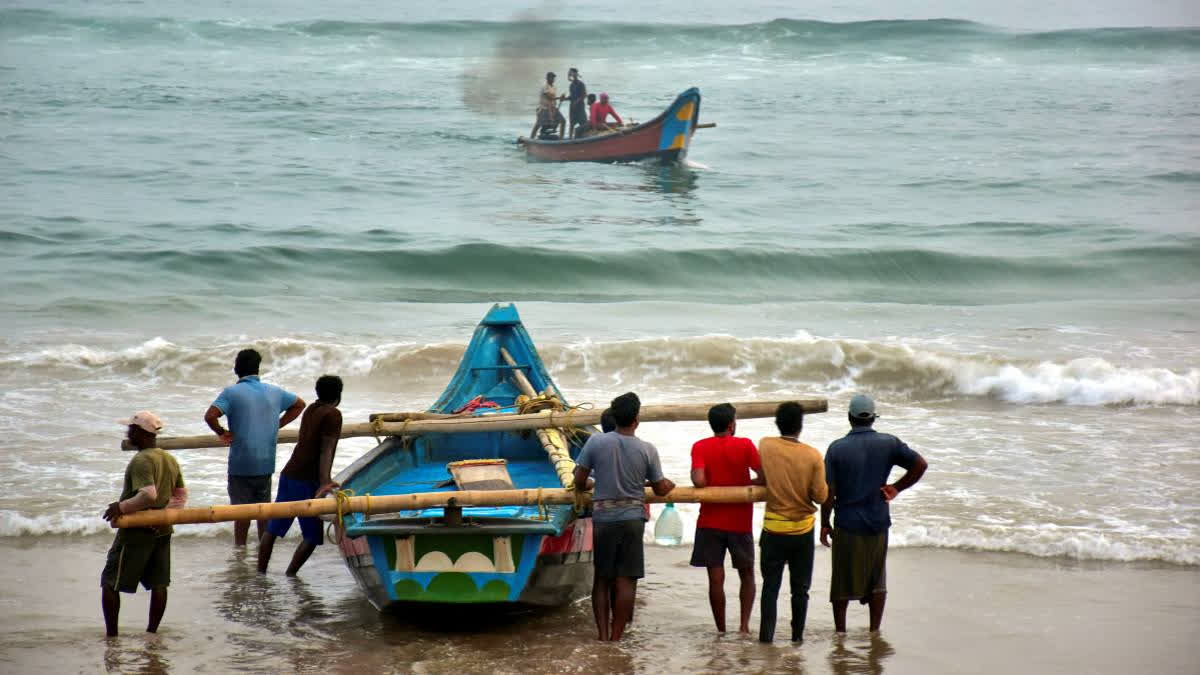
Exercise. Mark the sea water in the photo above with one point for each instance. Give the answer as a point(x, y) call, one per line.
point(983, 217)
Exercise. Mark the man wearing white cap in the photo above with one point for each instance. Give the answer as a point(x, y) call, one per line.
point(142, 554)
point(857, 467)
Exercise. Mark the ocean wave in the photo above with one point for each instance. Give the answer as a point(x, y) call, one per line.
point(922, 37)
point(17, 524)
point(707, 363)
point(1049, 541)
point(481, 272)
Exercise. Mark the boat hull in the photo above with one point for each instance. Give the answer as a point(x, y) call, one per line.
point(666, 138)
point(545, 571)
point(530, 554)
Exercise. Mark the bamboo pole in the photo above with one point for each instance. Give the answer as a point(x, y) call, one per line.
point(553, 441)
point(709, 125)
point(421, 500)
point(401, 416)
point(546, 419)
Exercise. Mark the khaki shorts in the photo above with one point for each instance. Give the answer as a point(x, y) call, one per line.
point(859, 566)
point(138, 555)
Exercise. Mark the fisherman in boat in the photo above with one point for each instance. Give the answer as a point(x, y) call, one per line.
point(624, 465)
point(549, 118)
point(600, 112)
point(142, 554)
point(306, 475)
point(577, 95)
point(724, 459)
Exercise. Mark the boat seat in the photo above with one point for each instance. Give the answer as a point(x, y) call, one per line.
point(481, 474)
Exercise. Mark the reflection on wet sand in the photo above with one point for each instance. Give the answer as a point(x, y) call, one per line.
point(144, 653)
point(858, 655)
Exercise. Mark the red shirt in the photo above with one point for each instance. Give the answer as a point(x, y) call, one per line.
point(600, 111)
point(726, 460)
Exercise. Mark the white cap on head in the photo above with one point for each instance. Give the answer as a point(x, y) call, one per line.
point(146, 420)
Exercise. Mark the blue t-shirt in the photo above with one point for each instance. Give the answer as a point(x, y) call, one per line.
point(856, 467)
point(253, 408)
point(621, 465)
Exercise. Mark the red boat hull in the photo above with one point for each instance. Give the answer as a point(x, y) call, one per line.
point(665, 138)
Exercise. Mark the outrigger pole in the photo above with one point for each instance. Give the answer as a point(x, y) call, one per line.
point(422, 423)
point(419, 500)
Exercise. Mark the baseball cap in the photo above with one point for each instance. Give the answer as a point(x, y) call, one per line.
point(862, 407)
point(146, 420)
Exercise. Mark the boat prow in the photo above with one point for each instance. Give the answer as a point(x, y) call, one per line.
point(508, 554)
point(665, 138)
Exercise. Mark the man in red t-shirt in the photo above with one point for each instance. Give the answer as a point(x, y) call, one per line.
point(725, 459)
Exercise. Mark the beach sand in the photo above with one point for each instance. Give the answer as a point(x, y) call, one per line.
point(948, 611)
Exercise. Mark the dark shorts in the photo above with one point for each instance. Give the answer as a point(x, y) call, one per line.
point(294, 490)
point(578, 114)
point(709, 549)
point(617, 549)
point(859, 566)
point(249, 489)
point(138, 555)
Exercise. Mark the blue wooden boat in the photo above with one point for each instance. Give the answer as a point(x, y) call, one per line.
point(512, 554)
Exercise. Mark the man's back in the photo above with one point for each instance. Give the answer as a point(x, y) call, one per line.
point(856, 467)
point(726, 461)
point(157, 467)
point(795, 477)
point(252, 408)
point(621, 465)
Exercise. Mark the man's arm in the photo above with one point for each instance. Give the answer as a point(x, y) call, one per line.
point(292, 412)
point(210, 418)
point(140, 500)
point(581, 478)
point(328, 448)
point(818, 488)
point(662, 487)
point(178, 498)
point(698, 478)
point(906, 481)
point(826, 512)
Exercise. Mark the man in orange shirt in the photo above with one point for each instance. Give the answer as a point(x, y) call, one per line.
point(725, 459)
point(796, 487)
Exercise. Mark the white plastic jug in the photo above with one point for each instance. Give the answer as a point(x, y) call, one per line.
point(668, 529)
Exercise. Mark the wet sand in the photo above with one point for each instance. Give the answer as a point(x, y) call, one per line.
point(948, 611)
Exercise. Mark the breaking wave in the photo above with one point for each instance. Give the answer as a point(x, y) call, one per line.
point(707, 364)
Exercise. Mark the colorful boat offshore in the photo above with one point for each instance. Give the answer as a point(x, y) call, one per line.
point(665, 138)
point(511, 554)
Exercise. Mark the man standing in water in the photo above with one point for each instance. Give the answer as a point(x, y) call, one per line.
point(253, 408)
point(623, 465)
point(857, 467)
point(795, 488)
point(306, 475)
point(725, 460)
point(142, 554)
point(577, 95)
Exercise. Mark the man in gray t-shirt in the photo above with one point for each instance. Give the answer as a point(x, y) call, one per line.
point(623, 465)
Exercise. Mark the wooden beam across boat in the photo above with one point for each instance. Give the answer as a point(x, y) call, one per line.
point(547, 419)
point(420, 500)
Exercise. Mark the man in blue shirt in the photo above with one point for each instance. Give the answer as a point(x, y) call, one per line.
point(253, 408)
point(857, 467)
point(623, 465)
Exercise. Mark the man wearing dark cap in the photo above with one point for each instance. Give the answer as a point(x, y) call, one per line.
point(857, 467)
point(577, 95)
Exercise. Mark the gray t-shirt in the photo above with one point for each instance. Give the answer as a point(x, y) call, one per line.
point(621, 465)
